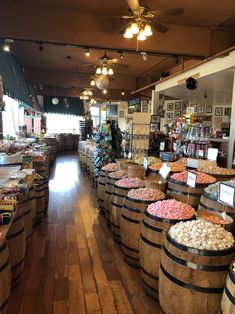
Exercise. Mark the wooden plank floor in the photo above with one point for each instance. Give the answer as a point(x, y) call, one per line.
point(73, 265)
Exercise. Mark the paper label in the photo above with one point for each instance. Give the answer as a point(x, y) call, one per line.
point(212, 154)
point(162, 146)
point(191, 179)
point(145, 163)
point(129, 155)
point(192, 163)
point(175, 147)
point(164, 170)
point(201, 153)
point(226, 194)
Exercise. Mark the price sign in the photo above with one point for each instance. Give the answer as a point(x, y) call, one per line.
point(145, 163)
point(201, 153)
point(192, 163)
point(129, 155)
point(175, 147)
point(164, 170)
point(191, 179)
point(162, 146)
point(226, 194)
point(212, 154)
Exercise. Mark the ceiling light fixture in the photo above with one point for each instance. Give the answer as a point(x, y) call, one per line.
point(148, 30)
point(141, 36)
point(87, 52)
point(128, 33)
point(121, 55)
point(110, 71)
point(98, 70)
point(7, 45)
point(105, 91)
point(123, 93)
point(55, 101)
point(92, 83)
point(140, 26)
point(104, 71)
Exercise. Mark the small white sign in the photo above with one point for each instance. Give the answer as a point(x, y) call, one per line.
point(192, 163)
point(201, 153)
point(190, 110)
point(164, 170)
point(145, 163)
point(129, 155)
point(162, 146)
point(175, 147)
point(212, 154)
point(226, 194)
point(191, 179)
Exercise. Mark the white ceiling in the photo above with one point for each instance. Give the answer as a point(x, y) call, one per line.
point(218, 88)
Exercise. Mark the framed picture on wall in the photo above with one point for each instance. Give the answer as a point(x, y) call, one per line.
point(170, 107)
point(177, 105)
point(227, 111)
point(177, 114)
point(208, 109)
point(218, 111)
point(121, 114)
point(200, 109)
point(154, 119)
point(111, 110)
point(169, 116)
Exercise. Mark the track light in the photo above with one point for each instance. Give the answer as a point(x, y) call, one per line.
point(144, 56)
point(87, 52)
point(121, 56)
point(104, 91)
point(123, 93)
point(7, 45)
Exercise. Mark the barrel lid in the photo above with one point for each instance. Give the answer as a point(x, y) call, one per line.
point(201, 252)
point(198, 185)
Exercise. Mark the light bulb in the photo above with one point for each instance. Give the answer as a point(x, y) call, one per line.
point(90, 93)
point(134, 28)
point(92, 83)
point(87, 52)
point(148, 30)
point(110, 71)
point(104, 71)
point(141, 35)
point(95, 101)
point(85, 92)
point(104, 91)
point(128, 33)
point(98, 70)
point(6, 48)
point(123, 93)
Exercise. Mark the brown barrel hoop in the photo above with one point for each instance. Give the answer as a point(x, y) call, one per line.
point(46, 192)
point(130, 225)
point(5, 277)
point(40, 201)
point(16, 241)
point(151, 242)
point(197, 274)
point(228, 298)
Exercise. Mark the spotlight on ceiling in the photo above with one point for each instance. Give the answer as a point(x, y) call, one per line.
point(121, 55)
point(40, 47)
point(123, 93)
point(7, 45)
point(144, 56)
point(105, 91)
point(87, 52)
point(191, 83)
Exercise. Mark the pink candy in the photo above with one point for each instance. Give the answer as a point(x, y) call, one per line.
point(110, 167)
point(146, 194)
point(202, 178)
point(171, 209)
point(118, 174)
point(130, 183)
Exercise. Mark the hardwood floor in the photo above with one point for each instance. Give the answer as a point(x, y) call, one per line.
point(73, 265)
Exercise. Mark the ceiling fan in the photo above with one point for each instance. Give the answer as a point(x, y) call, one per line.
point(140, 15)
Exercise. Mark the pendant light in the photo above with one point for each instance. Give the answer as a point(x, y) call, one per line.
point(98, 70)
point(110, 71)
point(128, 33)
point(134, 28)
point(141, 35)
point(148, 30)
point(92, 83)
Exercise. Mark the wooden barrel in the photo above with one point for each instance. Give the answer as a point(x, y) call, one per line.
point(40, 200)
point(46, 193)
point(135, 171)
point(228, 298)
point(156, 183)
point(130, 225)
point(108, 191)
point(100, 189)
point(153, 173)
point(88, 161)
point(152, 236)
point(210, 202)
point(68, 142)
point(42, 168)
point(75, 141)
point(61, 142)
point(186, 194)
point(122, 164)
point(5, 277)
point(192, 280)
point(16, 241)
point(28, 205)
point(222, 177)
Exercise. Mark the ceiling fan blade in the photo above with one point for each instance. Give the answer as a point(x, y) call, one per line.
point(127, 17)
point(109, 16)
point(159, 27)
point(121, 65)
point(122, 30)
point(113, 61)
point(87, 65)
point(170, 12)
point(133, 5)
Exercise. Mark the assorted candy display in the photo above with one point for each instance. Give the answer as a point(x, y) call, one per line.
point(151, 160)
point(202, 178)
point(146, 194)
point(110, 167)
point(216, 219)
point(213, 189)
point(218, 170)
point(202, 235)
point(119, 174)
point(171, 209)
point(130, 183)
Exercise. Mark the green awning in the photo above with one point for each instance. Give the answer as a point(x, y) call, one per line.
point(66, 105)
point(14, 82)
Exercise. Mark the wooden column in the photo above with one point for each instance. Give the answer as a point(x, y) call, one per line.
point(232, 129)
